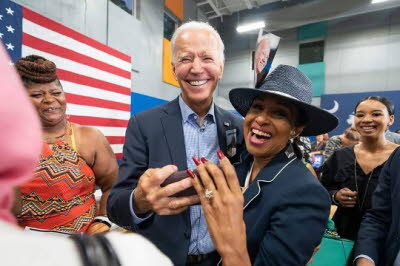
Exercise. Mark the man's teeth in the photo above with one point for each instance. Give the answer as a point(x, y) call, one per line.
point(197, 82)
point(260, 133)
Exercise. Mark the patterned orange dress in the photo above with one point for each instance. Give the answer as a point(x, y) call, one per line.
point(60, 196)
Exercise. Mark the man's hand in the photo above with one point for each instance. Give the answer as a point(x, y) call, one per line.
point(150, 196)
point(364, 262)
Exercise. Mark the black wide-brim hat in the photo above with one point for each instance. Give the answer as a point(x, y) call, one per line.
point(291, 84)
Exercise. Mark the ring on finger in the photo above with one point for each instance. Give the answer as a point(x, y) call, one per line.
point(208, 194)
point(350, 198)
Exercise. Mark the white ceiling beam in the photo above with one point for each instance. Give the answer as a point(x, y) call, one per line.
point(211, 3)
point(248, 4)
point(202, 3)
point(226, 7)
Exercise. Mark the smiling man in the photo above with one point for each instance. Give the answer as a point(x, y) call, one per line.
point(163, 140)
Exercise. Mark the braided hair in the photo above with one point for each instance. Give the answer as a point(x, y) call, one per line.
point(36, 69)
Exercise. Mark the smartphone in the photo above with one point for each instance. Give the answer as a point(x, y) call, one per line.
point(318, 161)
point(178, 176)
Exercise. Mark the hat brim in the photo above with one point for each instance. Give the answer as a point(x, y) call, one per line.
point(318, 122)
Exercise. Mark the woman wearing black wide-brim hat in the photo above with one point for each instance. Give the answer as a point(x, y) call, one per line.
point(270, 210)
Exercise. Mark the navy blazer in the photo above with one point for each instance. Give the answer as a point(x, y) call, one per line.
point(286, 210)
point(154, 138)
point(379, 236)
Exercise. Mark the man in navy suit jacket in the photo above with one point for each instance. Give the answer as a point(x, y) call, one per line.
point(378, 241)
point(162, 140)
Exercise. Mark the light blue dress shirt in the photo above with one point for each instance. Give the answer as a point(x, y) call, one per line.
point(201, 141)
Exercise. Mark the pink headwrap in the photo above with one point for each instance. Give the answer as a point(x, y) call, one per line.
point(20, 135)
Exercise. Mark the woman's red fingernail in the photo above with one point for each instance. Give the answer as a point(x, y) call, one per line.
point(220, 154)
point(190, 173)
point(203, 160)
point(196, 160)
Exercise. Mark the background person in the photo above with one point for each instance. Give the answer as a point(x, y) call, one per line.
point(74, 159)
point(162, 140)
point(349, 137)
point(351, 174)
point(319, 144)
point(285, 207)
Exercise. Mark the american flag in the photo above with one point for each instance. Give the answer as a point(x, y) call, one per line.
point(96, 78)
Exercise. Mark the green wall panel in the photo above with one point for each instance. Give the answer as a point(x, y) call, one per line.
point(315, 72)
point(311, 31)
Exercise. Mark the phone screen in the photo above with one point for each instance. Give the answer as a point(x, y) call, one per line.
point(318, 161)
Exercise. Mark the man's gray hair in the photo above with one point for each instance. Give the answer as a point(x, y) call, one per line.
point(197, 25)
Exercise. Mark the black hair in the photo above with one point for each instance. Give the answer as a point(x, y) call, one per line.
point(298, 151)
point(383, 100)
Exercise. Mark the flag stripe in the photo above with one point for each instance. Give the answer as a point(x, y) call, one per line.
point(90, 101)
point(98, 121)
point(39, 44)
point(112, 131)
point(117, 148)
point(76, 109)
point(92, 82)
point(57, 27)
point(48, 35)
point(73, 66)
point(78, 89)
point(115, 139)
point(118, 156)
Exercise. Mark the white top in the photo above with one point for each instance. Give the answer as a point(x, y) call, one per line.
point(19, 248)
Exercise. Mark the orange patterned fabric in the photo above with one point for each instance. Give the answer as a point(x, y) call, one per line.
point(60, 195)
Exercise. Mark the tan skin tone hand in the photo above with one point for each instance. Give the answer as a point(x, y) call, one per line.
point(150, 196)
point(224, 211)
point(364, 262)
point(346, 197)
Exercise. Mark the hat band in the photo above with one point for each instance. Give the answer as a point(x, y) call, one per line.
point(282, 94)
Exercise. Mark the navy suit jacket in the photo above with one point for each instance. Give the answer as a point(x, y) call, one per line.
point(379, 235)
point(286, 210)
point(154, 138)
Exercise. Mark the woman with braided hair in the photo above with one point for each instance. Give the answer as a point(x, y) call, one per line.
point(74, 159)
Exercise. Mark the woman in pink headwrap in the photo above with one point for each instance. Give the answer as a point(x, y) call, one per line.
point(20, 147)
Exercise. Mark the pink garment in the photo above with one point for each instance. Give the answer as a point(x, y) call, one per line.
point(20, 135)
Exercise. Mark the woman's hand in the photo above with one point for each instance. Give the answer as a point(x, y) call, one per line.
point(223, 210)
point(97, 228)
point(346, 197)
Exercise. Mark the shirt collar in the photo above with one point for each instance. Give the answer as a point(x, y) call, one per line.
point(186, 111)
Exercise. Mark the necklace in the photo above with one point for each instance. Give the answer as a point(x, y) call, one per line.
point(53, 139)
point(366, 187)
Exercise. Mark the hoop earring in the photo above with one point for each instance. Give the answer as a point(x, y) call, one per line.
point(67, 115)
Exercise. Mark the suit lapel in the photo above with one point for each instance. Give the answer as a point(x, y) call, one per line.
point(267, 175)
point(173, 132)
point(221, 128)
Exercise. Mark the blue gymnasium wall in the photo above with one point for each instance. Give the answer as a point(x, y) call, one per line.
point(140, 102)
point(344, 109)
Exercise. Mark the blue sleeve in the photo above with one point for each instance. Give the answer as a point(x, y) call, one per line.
point(133, 164)
point(376, 223)
point(296, 227)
